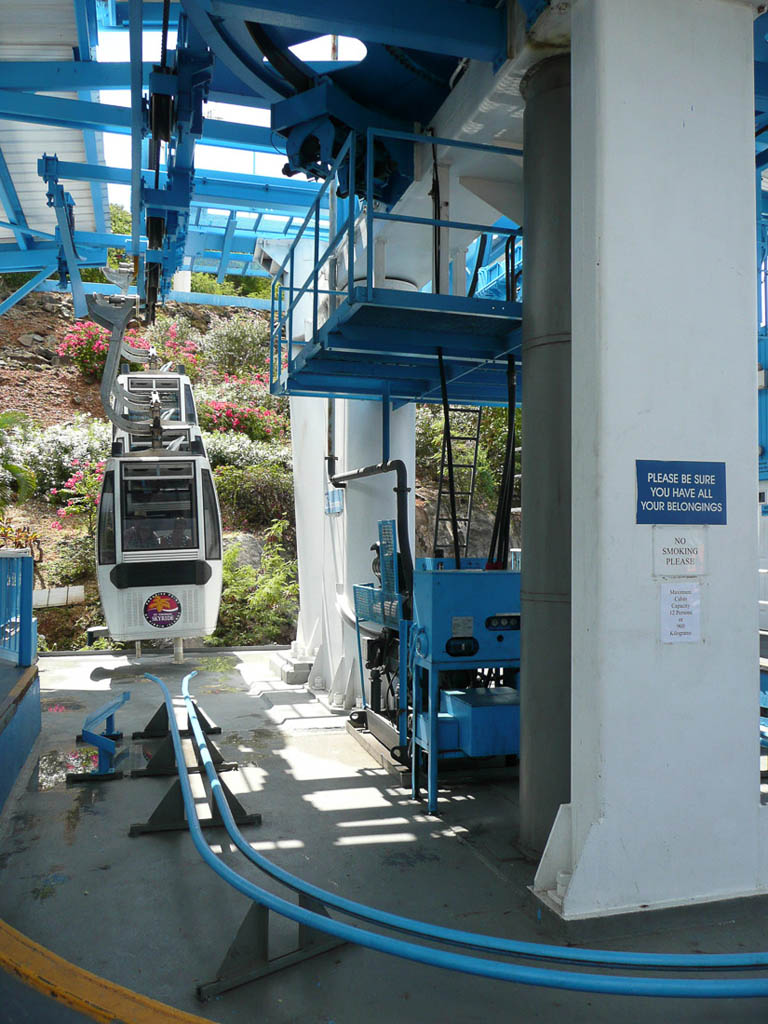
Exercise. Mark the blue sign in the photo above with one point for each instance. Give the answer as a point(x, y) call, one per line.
point(681, 492)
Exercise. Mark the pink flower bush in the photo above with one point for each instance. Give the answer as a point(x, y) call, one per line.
point(81, 495)
point(258, 423)
point(87, 344)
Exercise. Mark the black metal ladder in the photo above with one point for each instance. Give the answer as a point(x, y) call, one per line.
point(466, 443)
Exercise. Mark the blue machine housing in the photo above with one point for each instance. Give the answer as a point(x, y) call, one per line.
point(465, 622)
point(466, 618)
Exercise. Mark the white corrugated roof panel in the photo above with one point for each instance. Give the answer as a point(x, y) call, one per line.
point(35, 30)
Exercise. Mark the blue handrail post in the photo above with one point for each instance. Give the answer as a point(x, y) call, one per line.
point(290, 307)
point(316, 272)
point(351, 216)
point(27, 648)
point(369, 211)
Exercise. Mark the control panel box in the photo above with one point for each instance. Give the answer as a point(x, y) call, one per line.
point(465, 618)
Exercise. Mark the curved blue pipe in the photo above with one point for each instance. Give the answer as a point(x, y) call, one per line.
point(451, 936)
point(536, 976)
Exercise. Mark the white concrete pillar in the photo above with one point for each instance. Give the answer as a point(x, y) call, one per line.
point(182, 281)
point(665, 798)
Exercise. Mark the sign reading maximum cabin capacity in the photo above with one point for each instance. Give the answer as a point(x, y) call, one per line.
point(681, 492)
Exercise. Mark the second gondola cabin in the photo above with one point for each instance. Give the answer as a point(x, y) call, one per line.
point(159, 546)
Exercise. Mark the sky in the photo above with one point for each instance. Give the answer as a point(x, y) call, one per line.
point(114, 46)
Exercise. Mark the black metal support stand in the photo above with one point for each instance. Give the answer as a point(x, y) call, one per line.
point(163, 761)
point(247, 958)
point(157, 727)
point(169, 815)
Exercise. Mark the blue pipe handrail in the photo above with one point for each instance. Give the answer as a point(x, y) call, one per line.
point(609, 984)
point(282, 314)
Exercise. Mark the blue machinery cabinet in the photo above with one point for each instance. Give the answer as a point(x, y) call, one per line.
point(464, 620)
point(464, 632)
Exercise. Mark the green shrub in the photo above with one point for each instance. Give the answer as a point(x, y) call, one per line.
point(234, 449)
point(76, 562)
point(177, 341)
point(259, 606)
point(230, 346)
point(490, 455)
point(253, 497)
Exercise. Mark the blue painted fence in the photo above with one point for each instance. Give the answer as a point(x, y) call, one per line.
point(18, 628)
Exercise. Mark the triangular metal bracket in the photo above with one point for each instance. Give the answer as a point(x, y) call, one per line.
point(247, 958)
point(157, 727)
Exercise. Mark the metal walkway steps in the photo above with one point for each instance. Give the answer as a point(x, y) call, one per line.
point(384, 342)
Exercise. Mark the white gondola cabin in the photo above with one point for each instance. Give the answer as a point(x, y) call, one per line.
point(159, 546)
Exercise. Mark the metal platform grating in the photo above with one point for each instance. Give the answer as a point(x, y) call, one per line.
point(384, 343)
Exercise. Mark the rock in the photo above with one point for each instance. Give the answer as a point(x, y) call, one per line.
point(50, 307)
point(480, 534)
point(250, 546)
point(30, 340)
point(76, 400)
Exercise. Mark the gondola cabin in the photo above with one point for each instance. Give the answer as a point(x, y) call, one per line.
point(178, 416)
point(158, 546)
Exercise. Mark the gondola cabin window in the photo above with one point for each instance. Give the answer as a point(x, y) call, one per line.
point(106, 532)
point(159, 507)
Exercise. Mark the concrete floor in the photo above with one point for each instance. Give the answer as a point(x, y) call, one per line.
point(148, 914)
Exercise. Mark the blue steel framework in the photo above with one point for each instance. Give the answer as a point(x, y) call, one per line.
point(210, 63)
point(377, 343)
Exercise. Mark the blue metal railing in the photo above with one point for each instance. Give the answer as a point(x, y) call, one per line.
point(287, 294)
point(18, 628)
point(653, 985)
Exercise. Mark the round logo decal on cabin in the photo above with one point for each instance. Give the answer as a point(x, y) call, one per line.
point(162, 610)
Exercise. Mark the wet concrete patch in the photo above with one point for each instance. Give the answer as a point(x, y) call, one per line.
point(84, 803)
point(47, 885)
point(217, 663)
point(408, 858)
point(53, 766)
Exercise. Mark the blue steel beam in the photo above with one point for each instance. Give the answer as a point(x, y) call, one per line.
point(153, 14)
point(26, 231)
point(138, 124)
point(200, 298)
point(108, 117)
point(25, 289)
point(62, 204)
point(11, 203)
point(209, 187)
point(15, 260)
point(69, 76)
point(436, 26)
point(226, 247)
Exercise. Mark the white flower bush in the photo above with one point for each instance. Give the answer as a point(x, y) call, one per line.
point(232, 345)
point(51, 453)
point(235, 449)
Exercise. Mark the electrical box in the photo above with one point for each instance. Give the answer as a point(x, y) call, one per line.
point(466, 618)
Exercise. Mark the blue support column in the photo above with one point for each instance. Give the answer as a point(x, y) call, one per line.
point(137, 123)
point(11, 203)
point(63, 204)
point(226, 247)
